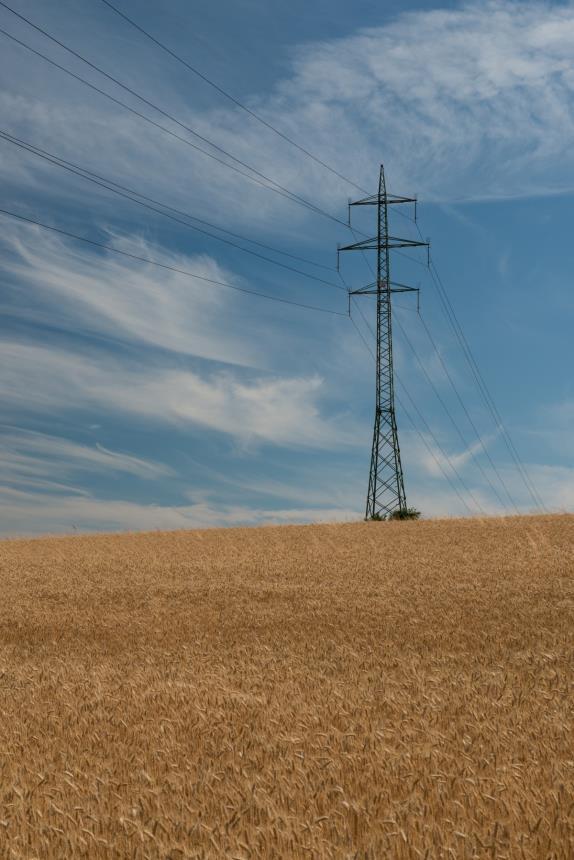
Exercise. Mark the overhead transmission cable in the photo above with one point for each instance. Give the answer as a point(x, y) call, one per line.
point(237, 102)
point(179, 271)
point(138, 113)
point(449, 461)
point(268, 247)
point(450, 416)
point(146, 101)
point(284, 192)
point(483, 389)
point(263, 180)
point(127, 193)
point(231, 98)
point(465, 409)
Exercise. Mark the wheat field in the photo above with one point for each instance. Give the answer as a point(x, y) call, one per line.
point(370, 690)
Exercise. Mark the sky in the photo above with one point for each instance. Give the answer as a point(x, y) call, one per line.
point(137, 397)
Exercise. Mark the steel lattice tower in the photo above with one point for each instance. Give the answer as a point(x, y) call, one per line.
point(386, 492)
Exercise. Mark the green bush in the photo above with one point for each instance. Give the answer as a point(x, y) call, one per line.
point(404, 514)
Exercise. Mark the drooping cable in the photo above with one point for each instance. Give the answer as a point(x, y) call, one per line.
point(132, 195)
point(179, 271)
point(466, 411)
point(231, 98)
point(258, 177)
point(483, 388)
point(449, 414)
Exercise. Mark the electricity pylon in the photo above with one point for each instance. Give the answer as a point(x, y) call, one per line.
point(386, 492)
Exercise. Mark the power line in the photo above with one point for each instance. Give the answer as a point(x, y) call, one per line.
point(137, 113)
point(231, 98)
point(435, 458)
point(412, 259)
point(449, 413)
point(483, 389)
point(467, 413)
point(165, 266)
point(481, 384)
point(410, 418)
point(285, 191)
point(360, 333)
point(278, 189)
point(268, 247)
point(106, 183)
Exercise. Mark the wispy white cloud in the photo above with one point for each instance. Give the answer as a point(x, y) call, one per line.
point(555, 484)
point(449, 481)
point(469, 102)
point(53, 281)
point(475, 101)
point(279, 410)
point(27, 513)
point(31, 459)
point(553, 429)
point(437, 463)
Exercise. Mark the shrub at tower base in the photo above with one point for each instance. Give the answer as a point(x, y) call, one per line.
point(404, 514)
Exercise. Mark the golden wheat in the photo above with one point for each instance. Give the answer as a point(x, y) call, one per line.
point(400, 690)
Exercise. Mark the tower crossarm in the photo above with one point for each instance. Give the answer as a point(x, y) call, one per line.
point(375, 199)
point(392, 242)
point(381, 199)
point(372, 289)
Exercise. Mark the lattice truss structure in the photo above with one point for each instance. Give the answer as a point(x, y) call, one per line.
point(386, 493)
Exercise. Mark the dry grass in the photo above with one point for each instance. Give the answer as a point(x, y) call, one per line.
point(399, 690)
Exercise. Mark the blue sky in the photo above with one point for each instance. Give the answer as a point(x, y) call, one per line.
point(135, 397)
